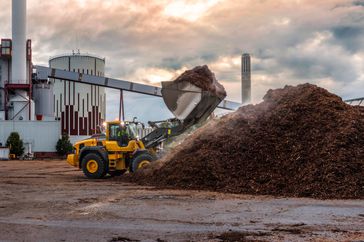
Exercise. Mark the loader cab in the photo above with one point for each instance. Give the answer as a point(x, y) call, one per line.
point(121, 132)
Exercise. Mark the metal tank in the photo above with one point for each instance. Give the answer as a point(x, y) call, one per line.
point(80, 107)
point(44, 102)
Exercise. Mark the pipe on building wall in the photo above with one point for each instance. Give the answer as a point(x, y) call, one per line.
point(121, 107)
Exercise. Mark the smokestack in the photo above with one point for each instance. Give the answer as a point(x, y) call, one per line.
point(245, 79)
point(19, 28)
point(21, 107)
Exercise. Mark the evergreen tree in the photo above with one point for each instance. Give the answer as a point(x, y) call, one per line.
point(15, 144)
point(64, 145)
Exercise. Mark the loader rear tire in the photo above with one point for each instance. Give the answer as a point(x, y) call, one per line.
point(93, 166)
point(141, 160)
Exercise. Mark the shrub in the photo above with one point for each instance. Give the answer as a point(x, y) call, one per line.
point(15, 144)
point(64, 145)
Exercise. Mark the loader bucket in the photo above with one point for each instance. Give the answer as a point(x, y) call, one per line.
point(188, 102)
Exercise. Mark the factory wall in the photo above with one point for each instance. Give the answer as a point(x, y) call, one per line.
point(80, 107)
point(4, 76)
point(42, 136)
point(15, 101)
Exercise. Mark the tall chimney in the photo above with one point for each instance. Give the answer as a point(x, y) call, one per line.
point(245, 79)
point(19, 28)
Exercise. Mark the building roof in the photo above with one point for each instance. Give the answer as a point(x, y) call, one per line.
point(76, 54)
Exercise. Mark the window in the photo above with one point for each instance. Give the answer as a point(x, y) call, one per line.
point(87, 71)
point(83, 71)
point(132, 130)
point(78, 70)
point(5, 43)
point(5, 51)
point(113, 131)
point(91, 72)
point(74, 70)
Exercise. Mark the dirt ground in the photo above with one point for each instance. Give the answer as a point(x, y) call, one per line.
point(51, 201)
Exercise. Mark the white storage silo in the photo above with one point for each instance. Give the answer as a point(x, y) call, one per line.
point(43, 99)
point(80, 107)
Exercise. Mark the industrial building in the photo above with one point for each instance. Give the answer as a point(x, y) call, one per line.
point(15, 69)
point(15, 90)
point(23, 104)
point(40, 111)
point(79, 107)
point(245, 79)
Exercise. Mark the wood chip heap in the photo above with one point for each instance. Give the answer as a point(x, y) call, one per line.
point(300, 141)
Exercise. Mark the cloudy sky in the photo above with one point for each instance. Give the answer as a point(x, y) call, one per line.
point(291, 41)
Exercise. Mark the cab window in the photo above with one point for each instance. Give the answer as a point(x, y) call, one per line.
point(113, 131)
point(132, 130)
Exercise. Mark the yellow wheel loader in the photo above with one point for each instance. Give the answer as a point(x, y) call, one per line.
point(119, 149)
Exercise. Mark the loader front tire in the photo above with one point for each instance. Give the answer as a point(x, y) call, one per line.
point(141, 160)
point(93, 166)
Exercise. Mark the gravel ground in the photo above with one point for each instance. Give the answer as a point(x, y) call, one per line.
point(51, 201)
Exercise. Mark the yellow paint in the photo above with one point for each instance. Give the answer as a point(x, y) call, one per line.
point(107, 127)
point(87, 142)
point(72, 159)
point(92, 166)
point(115, 156)
point(120, 165)
point(114, 146)
point(143, 163)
